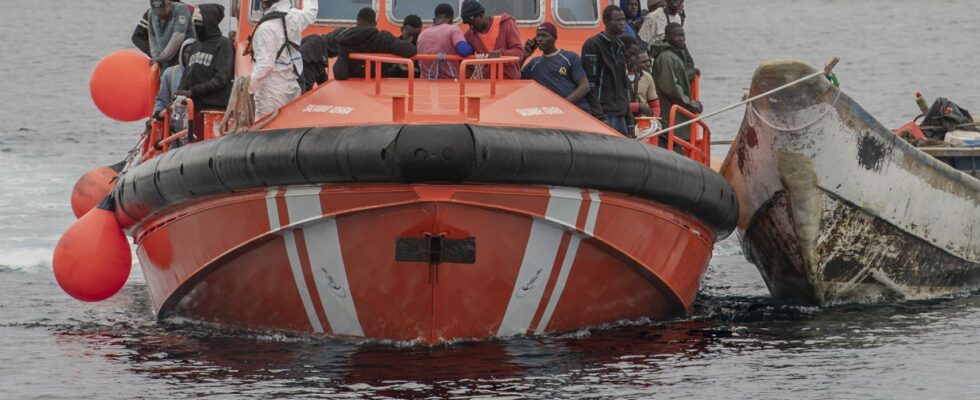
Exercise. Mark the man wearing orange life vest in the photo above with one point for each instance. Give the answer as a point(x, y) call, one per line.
point(494, 36)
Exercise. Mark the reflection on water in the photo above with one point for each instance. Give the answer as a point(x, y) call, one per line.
point(729, 337)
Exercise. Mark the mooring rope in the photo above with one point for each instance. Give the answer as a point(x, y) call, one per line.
point(755, 115)
point(241, 109)
point(825, 72)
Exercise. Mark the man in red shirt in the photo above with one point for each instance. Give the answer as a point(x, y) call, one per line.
point(494, 36)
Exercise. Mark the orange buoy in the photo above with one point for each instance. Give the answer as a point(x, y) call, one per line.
point(92, 259)
point(92, 187)
point(121, 85)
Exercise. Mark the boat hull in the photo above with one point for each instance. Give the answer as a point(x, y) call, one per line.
point(834, 207)
point(325, 259)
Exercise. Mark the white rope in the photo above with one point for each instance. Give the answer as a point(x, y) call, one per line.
point(478, 69)
point(756, 115)
point(826, 71)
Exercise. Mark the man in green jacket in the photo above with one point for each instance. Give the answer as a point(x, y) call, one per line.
point(673, 71)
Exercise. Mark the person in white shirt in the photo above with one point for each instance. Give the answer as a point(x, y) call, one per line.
point(276, 59)
point(655, 25)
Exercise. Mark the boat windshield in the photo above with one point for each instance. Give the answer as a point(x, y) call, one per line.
point(577, 11)
point(423, 8)
point(521, 10)
point(342, 10)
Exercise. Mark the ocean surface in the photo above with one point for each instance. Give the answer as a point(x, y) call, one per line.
point(738, 344)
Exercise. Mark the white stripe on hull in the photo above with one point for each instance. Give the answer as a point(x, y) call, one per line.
point(330, 274)
point(566, 265)
point(294, 264)
point(303, 204)
point(539, 258)
point(304, 292)
point(270, 205)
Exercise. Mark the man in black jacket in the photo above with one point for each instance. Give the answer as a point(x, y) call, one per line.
point(207, 79)
point(366, 38)
point(604, 60)
point(316, 51)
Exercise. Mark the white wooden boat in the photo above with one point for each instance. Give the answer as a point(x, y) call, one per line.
point(835, 207)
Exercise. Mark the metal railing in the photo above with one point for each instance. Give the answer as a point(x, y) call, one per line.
point(160, 140)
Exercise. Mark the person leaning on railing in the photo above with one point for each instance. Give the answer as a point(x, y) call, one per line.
point(494, 36)
point(317, 50)
point(443, 37)
point(366, 38)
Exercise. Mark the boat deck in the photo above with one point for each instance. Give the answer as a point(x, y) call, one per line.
point(363, 102)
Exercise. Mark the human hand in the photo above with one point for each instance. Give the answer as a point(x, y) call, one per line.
point(698, 107)
point(529, 46)
point(494, 54)
point(646, 110)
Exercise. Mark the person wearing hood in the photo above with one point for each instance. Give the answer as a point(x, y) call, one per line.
point(317, 50)
point(673, 72)
point(277, 63)
point(366, 38)
point(207, 79)
point(631, 8)
point(169, 82)
point(494, 36)
point(168, 26)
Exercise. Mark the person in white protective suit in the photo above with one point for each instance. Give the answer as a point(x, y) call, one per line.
point(275, 54)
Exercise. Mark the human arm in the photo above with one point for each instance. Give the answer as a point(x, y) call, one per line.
point(265, 57)
point(513, 45)
point(308, 14)
point(578, 75)
point(141, 35)
point(182, 20)
point(164, 95)
point(580, 92)
point(341, 66)
point(463, 48)
point(591, 65)
point(668, 71)
point(529, 47)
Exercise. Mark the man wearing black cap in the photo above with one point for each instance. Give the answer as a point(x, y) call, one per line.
point(169, 24)
point(558, 70)
point(493, 35)
point(604, 60)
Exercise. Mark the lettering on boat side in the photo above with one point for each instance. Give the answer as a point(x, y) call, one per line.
point(538, 111)
point(328, 109)
point(335, 287)
point(530, 285)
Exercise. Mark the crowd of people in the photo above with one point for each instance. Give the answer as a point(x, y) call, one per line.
point(638, 66)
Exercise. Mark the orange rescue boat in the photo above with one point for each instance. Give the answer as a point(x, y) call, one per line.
point(421, 210)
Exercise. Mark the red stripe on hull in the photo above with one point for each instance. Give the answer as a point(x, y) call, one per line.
point(254, 289)
point(304, 262)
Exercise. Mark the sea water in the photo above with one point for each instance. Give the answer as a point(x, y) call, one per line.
point(738, 344)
